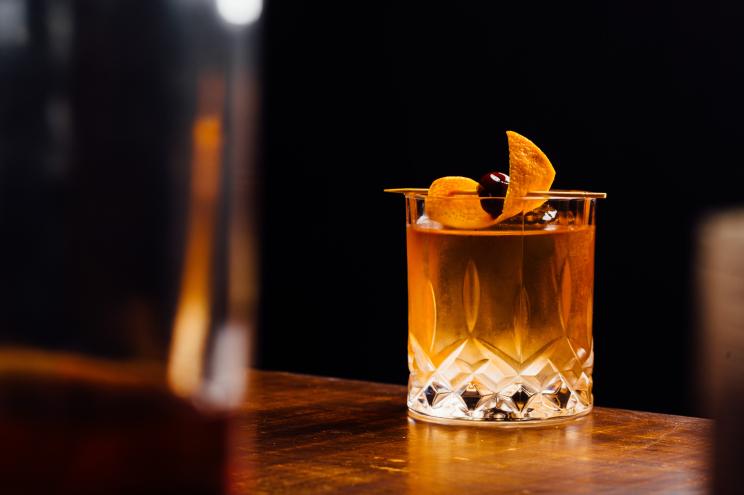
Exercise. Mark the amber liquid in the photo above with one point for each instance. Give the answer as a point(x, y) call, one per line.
point(500, 322)
point(67, 427)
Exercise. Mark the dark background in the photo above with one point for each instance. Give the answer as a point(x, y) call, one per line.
point(640, 100)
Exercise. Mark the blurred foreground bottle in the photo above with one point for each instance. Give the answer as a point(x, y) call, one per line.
point(721, 377)
point(127, 255)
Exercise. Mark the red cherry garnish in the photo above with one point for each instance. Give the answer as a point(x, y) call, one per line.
point(493, 185)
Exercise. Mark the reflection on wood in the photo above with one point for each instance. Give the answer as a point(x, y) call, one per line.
point(322, 435)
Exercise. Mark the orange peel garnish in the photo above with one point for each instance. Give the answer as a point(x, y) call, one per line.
point(529, 170)
point(449, 203)
point(454, 202)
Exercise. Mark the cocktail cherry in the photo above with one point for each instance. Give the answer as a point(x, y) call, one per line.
point(493, 185)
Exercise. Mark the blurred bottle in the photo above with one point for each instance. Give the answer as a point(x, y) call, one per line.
point(721, 376)
point(127, 259)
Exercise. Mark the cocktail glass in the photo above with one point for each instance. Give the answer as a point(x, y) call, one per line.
point(500, 318)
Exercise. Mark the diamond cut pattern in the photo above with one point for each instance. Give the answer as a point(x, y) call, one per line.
point(554, 381)
point(493, 389)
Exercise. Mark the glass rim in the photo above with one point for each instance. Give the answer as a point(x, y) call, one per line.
point(554, 194)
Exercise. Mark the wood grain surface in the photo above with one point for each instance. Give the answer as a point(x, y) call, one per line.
point(304, 434)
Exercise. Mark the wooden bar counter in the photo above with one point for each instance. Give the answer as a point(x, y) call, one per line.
point(306, 434)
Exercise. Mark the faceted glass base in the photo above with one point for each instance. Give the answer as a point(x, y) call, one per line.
point(526, 399)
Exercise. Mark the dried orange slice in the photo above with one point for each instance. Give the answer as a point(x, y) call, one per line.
point(529, 170)
point(454, 202)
